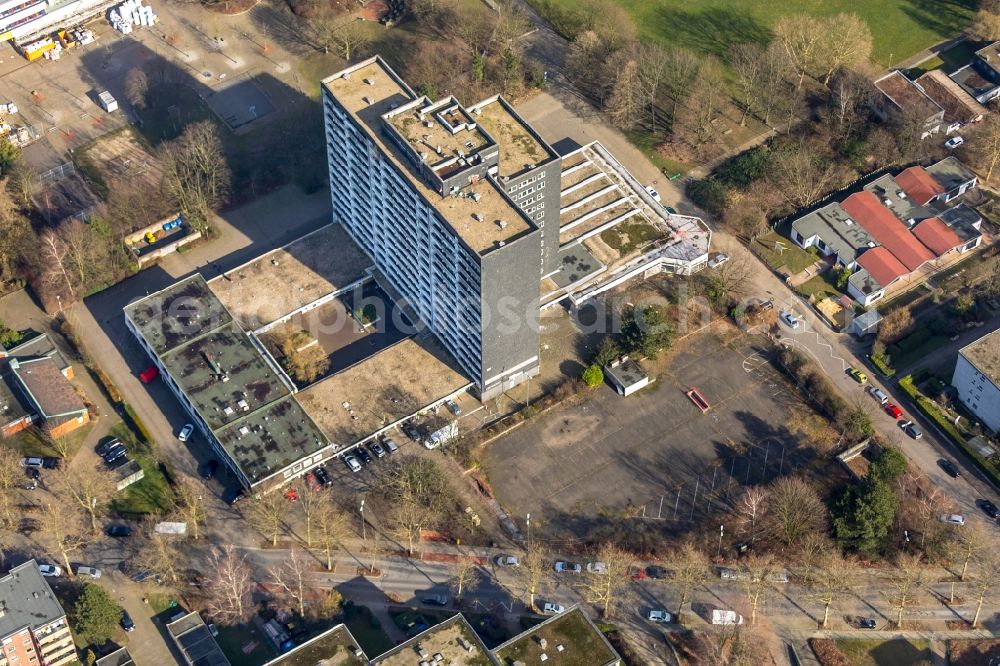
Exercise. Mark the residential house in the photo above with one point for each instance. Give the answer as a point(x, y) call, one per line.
point(960, 108)
point(33, 628)
point(981, 78)
point(51, 397)
point(977, 379)
point(894, 226)
point(902, 96)
point(14, 417)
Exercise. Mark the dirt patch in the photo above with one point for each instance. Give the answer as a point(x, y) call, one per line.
point(119, 157)
point(973, 653)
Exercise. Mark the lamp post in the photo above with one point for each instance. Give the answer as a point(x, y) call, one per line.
point(722, 530)
point(527, 519)
point(364, 532)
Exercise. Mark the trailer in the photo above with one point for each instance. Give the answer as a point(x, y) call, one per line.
point(107, 101)
point(698, 399)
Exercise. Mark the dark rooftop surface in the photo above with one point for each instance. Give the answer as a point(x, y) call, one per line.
point(626, 372)
point(575, 264)
point(48, 388)
point(178, 314)
point(334, 647)
point(28, 599)
point(907, 95)
point(453, 639)
point(195, 641)
point(11, 408)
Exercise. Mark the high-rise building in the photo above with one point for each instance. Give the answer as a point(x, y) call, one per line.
point(33, 628)
point(458, 207)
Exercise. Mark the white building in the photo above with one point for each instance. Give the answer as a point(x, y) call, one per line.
point(977, 379)
point(21, 20)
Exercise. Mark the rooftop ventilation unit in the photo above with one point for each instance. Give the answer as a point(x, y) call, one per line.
point(370, 81)
point(502, 224)
point(367, 100)
point(901, 194)
point(346, 76)
point(887, 201)
point(848, 221)
point(477, 217)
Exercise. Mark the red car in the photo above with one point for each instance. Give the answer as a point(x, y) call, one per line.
point(313, 482)
point(292, 495)
point(893, 411)
point(149, 374)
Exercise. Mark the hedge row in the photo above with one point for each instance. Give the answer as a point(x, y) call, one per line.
point(931, 410)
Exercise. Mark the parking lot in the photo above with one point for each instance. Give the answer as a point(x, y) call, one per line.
point(653, 454)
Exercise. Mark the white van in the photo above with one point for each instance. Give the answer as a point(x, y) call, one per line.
point(878, 395)
point(726, 617)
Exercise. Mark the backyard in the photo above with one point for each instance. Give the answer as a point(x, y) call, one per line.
point(896, 652)
point(900, 28)
point(790, 256)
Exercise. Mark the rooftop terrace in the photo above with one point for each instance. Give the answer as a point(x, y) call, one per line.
point(453, 639)
point(334, 647)
point(381, 390)
point(368, 91)
point(178, 314)
point(224, 375)
point(984, 353)
point(906, 95)
point(520, 149)
point(283, 280)
point(442, 133)
point(567, 639)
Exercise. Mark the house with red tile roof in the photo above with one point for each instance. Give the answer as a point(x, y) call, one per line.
point(894, 226)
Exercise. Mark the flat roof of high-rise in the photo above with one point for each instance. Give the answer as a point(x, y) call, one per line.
point(480, 214)
point(27, 600)
point(520, 147)
point(984, 353)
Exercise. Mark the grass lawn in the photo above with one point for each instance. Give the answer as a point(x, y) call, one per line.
point(793, 257)
point(232, 640)
point(367, 631)
point(896, 652)
point(820, 287)
point(152, 494)
point(29, 443)
point(647, 143)
point(627, 236)
point(950, 61)
point(900, 28)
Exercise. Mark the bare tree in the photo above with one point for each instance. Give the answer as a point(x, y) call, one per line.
point(11, 475)
point(801, 37)
point(157, 553)
point(189, 505)
point(802, 172)
point(465, 576)
point(90, 490)
point(331, 527)
point(408, 515)
point(794, 510)
point(690, 567)
point(751, 507)
point(985, 146)
point(603, 588)
point(775, 91)
point(970, 541)
point(15, 229)
point(55, 278)
point(757, 580)
point(534, 571)
point(230, 588)
point(986, 25)
point(266, 514)
point(983, 578)
point(905, 580)
point(747, 63)
point(894, 324)
point(850, 90)
point(291, 578)
point(65, 529)
point(136, 87)
point(847, 42)
point(625, 103)
point(831, 577)
point(195, 173)
point(706, 98)
point(349, 36)
point(310, 504)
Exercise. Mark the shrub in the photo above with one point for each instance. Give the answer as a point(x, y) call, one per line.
point(593, 376)
point(827, 652)
point(741, 170)
point(710, 195)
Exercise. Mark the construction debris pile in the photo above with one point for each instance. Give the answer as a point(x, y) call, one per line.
point(131, 13)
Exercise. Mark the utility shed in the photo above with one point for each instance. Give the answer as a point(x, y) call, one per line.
point(626, 375)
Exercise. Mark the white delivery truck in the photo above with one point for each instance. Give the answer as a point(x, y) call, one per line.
point(726, 617)
point(171, 528)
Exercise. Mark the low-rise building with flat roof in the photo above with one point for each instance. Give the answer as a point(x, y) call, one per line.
point(53, 400)
point(626, 375)
point(233, 390)
point(977, 379)
point(194, 640)
point(119, 657)
point(566, 639)
point(33, 628)
point(334, 647)
point(960, 108)
point(902, 96)
point(454, 639)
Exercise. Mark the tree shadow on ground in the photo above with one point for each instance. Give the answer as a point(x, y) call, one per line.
point(712, 30)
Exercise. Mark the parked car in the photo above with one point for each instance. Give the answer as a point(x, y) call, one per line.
point(31, 462)
point(323, 476)
point(726, 617)
point(312, 481)
point(186, 432)
point(103, 448)
point(411, 432)
point(118, 531)
point(116, 457)
point(893, 411)
point(912, 429)
point(363, 455)
point(550, 608)
point(435, 600)
point(597, 568)
point(126, 621)
point(949, 468)
point(569, 567)
point(352, 463)
point(149, 374)
point(660, 616)
point(506, 561)
point(672, 211)
point(233, 495)
point(659, 573)
point(390, 445)
point(209, 469)
point(790, 320)
point(292, 495)
point(780, 577)
point(725, 573)
point(877, 393)
point(453, 407)
point(954, 142)
point(377, 449)
point(653, 193)
point(953, 519)
point(49, 570)
point(51, 463)
point(718, 260)
point(989, 508)
point(91, 572)
point(866, 623)
point(857, 376)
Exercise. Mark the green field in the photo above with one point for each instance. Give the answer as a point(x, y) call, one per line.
point(900, 28)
